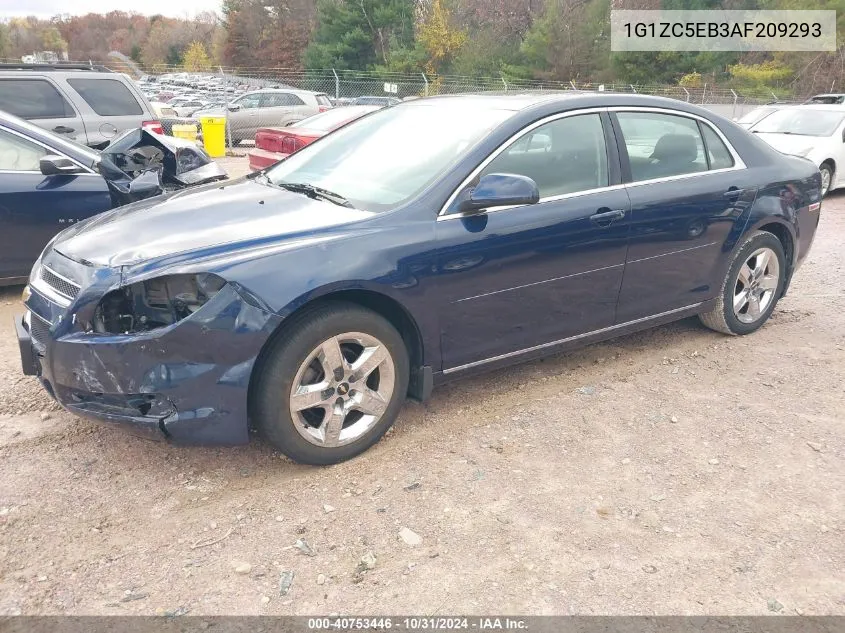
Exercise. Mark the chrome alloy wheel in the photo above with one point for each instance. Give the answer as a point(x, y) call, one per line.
point(756, 285)
point(826, 178)
point(342, 389)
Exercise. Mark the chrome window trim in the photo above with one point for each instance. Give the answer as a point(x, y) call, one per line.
point(515, 137)
point(738, 162)
point(568, 339)
point(50, 150)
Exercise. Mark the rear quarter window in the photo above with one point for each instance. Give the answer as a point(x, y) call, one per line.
point(33, 99)
point(107, 97)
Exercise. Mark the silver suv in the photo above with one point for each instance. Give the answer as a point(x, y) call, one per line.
point(87, 104)
point(272, 107)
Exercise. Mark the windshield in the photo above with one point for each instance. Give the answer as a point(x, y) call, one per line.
point(757, 114)
point(827, 99)
point(382, 160)
point(801, 121)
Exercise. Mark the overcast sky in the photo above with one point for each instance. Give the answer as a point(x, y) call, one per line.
point(48, 8)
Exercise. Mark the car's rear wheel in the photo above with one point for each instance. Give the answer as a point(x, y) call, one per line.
point(752, 287)
point(826, 170)
point(332, 384)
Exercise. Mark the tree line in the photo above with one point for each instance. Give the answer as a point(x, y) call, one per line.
point(560, 40)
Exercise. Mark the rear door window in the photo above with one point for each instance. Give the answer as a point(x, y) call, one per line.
point(277, 99)
point(33, 99)
point(662, 145)
point(248, 101)
point(717, 152)
point(107, 97)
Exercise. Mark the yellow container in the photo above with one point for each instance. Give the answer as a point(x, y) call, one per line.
point(214, 135)
point(185, 131)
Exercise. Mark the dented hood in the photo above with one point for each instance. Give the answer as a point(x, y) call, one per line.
point(210, 219)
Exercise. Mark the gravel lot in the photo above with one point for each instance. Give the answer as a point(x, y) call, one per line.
point(675, 471)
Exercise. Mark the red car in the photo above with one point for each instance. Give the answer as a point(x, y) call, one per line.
point(272, 144)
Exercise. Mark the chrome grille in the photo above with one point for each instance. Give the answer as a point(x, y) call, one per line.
point(63, 286)
point(39, 330)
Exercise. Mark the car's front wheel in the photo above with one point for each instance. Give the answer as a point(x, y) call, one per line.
point(331, 384)
point(752, 287)
point(826, 170)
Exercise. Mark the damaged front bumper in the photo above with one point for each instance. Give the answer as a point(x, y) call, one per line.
point(187, 382)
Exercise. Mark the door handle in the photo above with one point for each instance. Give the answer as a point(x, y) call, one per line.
point(63, 129)
point(606, 218)
point(733, 192)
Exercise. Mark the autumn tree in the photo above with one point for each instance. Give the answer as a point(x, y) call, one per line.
point(266, 33)
point(440, 39)
point(195, 58)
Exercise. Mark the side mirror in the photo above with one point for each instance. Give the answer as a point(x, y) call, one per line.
point(52, 165)
point(500, 190)
point(234, 107)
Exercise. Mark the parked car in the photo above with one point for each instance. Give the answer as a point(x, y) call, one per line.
point(813, 131)
point(87, 104)
point(272, 144)
point(276, 107)
point(756, 115)
point(382, 102)
point(406, 249)
point(187, 108)
point(826, 99)
point(48, 183)
point(163, 110)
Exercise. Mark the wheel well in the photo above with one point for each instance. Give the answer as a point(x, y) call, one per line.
point(379, 303)
point(785, 238)
point(830, 162)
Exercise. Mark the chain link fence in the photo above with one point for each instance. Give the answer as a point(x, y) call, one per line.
point(216, 87)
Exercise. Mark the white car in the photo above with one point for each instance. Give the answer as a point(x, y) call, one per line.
point(187, 108)
point(815, 132)
point(751, 118)
point(826, 99)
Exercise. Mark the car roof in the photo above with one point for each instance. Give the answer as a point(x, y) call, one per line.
point(821, 107)
point(557, 100)
point(293, 90)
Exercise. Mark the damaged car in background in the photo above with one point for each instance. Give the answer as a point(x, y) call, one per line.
point(418, 244)
point(48, 182)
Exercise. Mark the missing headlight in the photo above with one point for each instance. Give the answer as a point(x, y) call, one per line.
point(154, 303)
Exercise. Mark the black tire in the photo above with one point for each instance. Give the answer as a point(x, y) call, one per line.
point(722, 317)
point(271, 394)
point(827, 167)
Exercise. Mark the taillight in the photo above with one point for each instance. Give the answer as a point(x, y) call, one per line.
point(323, 108)
point(153, 126)
point(289, 145)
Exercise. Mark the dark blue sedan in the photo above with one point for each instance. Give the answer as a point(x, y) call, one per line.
point(34, 206)
point(418, 244)
point(48, 182)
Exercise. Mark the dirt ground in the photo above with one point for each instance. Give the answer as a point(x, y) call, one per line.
point(675, 471)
